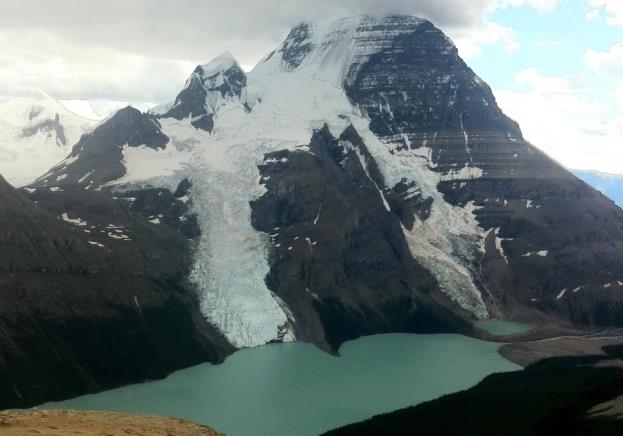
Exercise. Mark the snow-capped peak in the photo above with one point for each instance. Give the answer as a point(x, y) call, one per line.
point(220, 74)
point(331, 47)
point(210, 87)
point(220, 63)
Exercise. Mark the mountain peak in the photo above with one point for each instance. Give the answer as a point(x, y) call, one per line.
point(97, 158)
point(128, 111)
point(209, 87)
point(220, 63)
point(332, 46)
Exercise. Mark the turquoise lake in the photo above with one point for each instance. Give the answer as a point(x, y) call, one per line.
point(296, 389)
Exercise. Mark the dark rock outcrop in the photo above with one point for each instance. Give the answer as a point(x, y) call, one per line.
point(97, 157)
point(339, 259)
point(91, 297)
point(50, 125)
point(297, 45)
point(161, 206)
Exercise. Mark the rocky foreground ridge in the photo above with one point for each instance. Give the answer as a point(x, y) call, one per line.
point(66, 422)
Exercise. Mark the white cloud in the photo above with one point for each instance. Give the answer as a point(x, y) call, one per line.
point(563, 117)
point(542, 5)
point(612, 8)
point(143, 50)
point(592, 14)
point(618, 94)
point(567, 127)
point(490, 33)
point(68, 71)
point(532, 78)
point(99, 109)
point(548, 44)
point(197, 30)
point(608, 62)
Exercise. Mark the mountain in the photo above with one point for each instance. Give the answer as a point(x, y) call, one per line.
point(35, 133)
point(360, 179)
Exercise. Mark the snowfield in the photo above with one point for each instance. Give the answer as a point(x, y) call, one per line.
point(26, 152)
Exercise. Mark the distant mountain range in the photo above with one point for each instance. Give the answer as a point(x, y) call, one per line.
point(36, 132)
point(360, 179)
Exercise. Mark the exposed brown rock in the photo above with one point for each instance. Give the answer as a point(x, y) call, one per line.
point(69, 422)
point(527, 353)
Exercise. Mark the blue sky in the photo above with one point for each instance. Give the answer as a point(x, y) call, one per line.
point(554, 40)
point(560, 74)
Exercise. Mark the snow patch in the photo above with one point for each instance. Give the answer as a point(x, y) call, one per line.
point(465, 173)
point(541, 253)
point(498, 244)
point(75, 221)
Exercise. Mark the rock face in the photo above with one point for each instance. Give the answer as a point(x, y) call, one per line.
point(339, 259)
point(53, 126)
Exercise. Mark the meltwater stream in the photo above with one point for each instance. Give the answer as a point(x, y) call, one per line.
point(296, 389)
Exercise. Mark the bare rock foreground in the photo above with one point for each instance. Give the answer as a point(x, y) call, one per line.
point(69, 422)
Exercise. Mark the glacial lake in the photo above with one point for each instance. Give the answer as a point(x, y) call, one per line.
point(296, 389)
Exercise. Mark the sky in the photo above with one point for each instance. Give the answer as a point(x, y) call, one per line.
point(555, 66)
